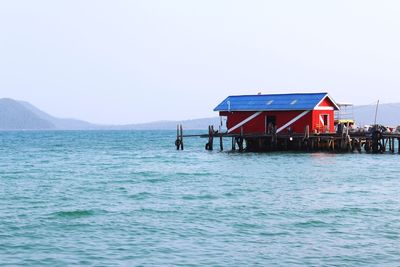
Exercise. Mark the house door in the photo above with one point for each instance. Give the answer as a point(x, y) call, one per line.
point(270, 121)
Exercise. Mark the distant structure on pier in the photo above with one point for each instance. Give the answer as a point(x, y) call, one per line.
point(281, 113)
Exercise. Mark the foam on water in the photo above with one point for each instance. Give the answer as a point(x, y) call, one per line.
point(131, 199)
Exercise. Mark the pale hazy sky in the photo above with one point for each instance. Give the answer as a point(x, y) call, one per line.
point(122, 61)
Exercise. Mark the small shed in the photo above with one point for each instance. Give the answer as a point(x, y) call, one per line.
point(258, 114)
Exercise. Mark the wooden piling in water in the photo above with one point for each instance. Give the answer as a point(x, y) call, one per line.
point(210, 144)
point(239, 141)
point(393, 145)
point(179, 137)
point(274, 140)
point(177, 144)
point(181, 128)
point(398, 145)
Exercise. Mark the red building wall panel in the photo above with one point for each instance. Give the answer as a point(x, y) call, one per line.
point(318, 125)
point(258, 124)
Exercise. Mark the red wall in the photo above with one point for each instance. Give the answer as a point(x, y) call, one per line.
point(317, 124)
point(257, 125)
point(326, 103)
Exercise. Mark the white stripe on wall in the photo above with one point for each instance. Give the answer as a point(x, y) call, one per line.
point(324, 108)
point(321, 119)
point(244, 121)
point(292, 121)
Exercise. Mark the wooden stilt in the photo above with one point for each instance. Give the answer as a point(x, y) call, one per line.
point(349, 144)
point(210, 137)
point(210, 144)
point(274, 138)
point(393, 144)
point(177, 142)
point(181, 129)
point(239, 140)
point(179, 137)
point(398, 145)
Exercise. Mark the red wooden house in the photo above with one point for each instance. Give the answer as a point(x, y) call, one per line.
point(256, 114)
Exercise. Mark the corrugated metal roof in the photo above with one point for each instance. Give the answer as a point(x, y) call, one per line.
point(271, 102)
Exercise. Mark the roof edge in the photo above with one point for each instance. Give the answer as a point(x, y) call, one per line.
point(318, 93)
point(325, 95)
point(331, 99)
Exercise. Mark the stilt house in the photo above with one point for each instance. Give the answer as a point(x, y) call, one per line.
point(285, 113)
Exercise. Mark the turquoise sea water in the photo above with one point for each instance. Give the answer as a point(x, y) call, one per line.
point(131, 199)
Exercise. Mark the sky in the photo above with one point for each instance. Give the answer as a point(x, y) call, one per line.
point(126, 61)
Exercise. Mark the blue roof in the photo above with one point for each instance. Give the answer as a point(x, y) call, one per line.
point(272, 102)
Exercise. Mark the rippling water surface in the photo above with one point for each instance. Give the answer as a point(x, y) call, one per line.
point(130, 199)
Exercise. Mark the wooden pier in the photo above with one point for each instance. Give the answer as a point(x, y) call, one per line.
point(305, 122)
point(375, 141)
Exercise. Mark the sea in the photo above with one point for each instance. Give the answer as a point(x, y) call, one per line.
point(129, 198)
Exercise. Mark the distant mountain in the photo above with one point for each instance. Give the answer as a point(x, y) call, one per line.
point(59, 124)
point(388, 114)
point(15, 116)
point(20, 115)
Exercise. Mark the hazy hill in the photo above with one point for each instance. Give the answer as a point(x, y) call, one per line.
point(60, 124)
point(19, 115)
point(388, 114)
point(15, 116)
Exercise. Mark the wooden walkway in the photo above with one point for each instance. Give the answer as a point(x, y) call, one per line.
point(375, 141)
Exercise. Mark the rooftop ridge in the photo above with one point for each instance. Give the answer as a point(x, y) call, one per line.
point(321, 93)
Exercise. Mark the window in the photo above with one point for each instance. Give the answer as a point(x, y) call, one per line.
point(326, 119)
